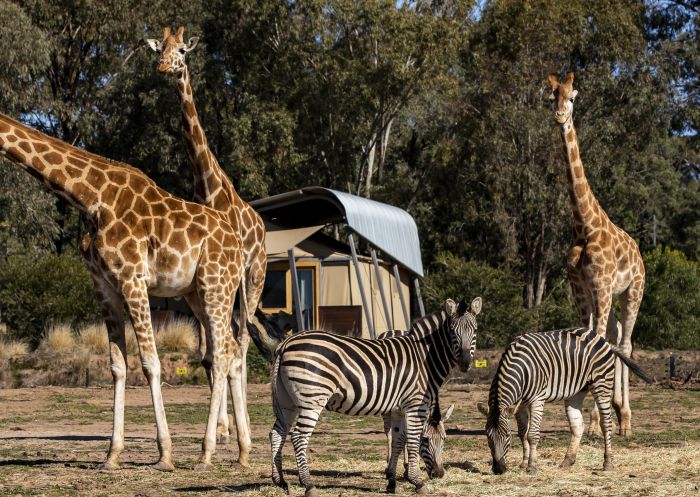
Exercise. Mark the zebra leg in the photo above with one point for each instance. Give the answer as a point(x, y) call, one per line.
point(398, 442)
point(413, 427)
point(284, 420)
point(573, 413)
point(306, 422)
point(522, 416)
point(602, 394)
point(533, 434)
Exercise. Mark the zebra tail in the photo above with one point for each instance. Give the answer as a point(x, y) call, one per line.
point(633, 366)
point(274, 375)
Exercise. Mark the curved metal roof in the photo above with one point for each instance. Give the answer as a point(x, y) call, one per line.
point(391, 229)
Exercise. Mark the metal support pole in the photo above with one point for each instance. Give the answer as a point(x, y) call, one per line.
point(295, 290)
point(416, 286)
point(406, 316)
point(380, 283)
point(370, 324)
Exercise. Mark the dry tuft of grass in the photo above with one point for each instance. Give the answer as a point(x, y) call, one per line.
point(94, 338)
point(58, 338)
point(10, 349)
point(178, 335)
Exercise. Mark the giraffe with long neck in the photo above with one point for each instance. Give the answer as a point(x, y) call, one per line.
point(142, 240)
point(603, 261)
point(212, 187)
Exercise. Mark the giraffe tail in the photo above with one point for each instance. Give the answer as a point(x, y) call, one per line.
point(632, 365)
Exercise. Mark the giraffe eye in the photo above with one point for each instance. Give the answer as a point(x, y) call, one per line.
point(182, 51)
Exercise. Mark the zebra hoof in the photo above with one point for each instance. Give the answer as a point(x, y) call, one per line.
point(391, 487)
point(203, 467)
point(108, 466)
point(311, 492)
point(422, 490)
point(531, 470)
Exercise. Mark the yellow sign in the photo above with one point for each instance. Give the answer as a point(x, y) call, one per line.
point(480, 364)
point(181, 371)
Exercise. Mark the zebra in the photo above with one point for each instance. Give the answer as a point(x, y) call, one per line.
point(355, 376)
point(432, 438)
point(542, 367)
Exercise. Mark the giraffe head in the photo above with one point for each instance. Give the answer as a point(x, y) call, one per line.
point(172, 50)
point(562, 97)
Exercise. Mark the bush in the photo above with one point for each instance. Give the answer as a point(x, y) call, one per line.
point(502, 316)
point(670, 313)
point(38, 290)
point(178, 335)
point(58, 339)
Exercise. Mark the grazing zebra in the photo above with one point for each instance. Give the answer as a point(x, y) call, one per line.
point(543, 367)
point(355, 376)
point(433, 436)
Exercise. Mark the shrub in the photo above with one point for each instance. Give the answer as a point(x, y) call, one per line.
point(502, 317)
point(94, 338)
point(10, 349)
point(36, 291)
point(58, 339)
point(178, 335)
point(670, 313)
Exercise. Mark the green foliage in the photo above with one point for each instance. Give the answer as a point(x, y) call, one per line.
point(258, 367)
point(670, 313)
point(502, 314)
point(36, 291)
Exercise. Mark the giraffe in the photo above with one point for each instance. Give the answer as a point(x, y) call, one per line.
point(603, 261)
point(212, 187)
point(141, 240)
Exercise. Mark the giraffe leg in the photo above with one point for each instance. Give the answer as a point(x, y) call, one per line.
point(602, 394)
point(306, 422)
point(573, 413)
point(533, 434)
point(398, 444)
point(630, 302)
point(136, 298)
point(601, 296)
point(222, 427)
point(112, 307)
point(522, 417)
point(238, 383)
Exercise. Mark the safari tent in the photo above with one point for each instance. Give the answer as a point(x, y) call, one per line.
point(339, 262)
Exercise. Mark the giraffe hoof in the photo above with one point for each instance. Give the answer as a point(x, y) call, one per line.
point(222, 440)
point(203, 467)
point(567, 463)
point(163, 466)
point(108, 466)
point(607, 466)
point(531, 470)
point(311, 492)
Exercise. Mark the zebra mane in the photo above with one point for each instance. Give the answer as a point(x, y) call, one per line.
point(427, 324)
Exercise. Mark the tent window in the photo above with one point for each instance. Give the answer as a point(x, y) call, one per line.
point(275, 290)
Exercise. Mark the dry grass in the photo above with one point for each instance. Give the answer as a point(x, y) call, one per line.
point(94, 337)
point(10, 349)
point(58, 338)
point(178, 335)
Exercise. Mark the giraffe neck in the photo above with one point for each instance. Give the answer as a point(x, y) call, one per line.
point(211, 186)
point(67, 171)
point(588, 215)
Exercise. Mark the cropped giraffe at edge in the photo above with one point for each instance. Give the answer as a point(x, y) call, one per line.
point(141, 240)
point(212, 187)
point(603, 261)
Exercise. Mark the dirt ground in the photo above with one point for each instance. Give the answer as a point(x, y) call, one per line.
point(52, 440)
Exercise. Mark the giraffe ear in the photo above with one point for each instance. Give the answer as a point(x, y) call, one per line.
point(572, 95)
point(553, 81)
point(191, 43)
point(154, 44)
point(446, 415)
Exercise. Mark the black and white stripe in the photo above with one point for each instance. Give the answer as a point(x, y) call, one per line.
point(433, 435)
point(543, 367)
point(355, 376)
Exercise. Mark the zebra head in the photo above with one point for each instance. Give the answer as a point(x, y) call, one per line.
point(432, 441)
point(498, 435)
point(463, 330)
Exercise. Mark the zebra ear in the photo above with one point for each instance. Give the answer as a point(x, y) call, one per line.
point(450, 307)
point(483, 408)
point(476, 306)
point(446, 415)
